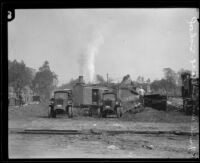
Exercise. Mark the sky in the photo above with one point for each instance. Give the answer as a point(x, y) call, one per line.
point(100, 41)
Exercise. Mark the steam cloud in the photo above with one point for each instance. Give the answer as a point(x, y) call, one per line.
point(87, 59)
point(82, 62)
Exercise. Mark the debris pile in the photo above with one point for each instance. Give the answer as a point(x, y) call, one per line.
point(149, 114)
point(175, 104)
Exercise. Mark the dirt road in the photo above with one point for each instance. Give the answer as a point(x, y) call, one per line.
point(101, 145)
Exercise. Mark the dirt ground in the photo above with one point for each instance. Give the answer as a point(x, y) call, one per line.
point(103, 145)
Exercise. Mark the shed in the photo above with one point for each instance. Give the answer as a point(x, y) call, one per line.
point(87, 95)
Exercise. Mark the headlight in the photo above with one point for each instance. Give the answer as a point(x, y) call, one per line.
point(69, 102)
point(117, 103)
point(51, 103)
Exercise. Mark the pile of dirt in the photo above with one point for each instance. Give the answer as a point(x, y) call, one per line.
point(152, 115)
point(174, 104)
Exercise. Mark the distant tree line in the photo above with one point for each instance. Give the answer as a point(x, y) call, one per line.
point(170, 84)
point(41, 82)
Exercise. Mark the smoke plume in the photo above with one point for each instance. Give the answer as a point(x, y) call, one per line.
point(87, 59)
point(82, 63)
point(92, 51)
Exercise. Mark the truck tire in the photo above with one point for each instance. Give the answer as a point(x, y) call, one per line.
point(66, 110)
point(121, 111)
point(104, 114)
point(70, 112)
point(51, 113)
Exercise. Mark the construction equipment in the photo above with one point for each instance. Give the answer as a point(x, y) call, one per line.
point(190, 94)
point(156, 101)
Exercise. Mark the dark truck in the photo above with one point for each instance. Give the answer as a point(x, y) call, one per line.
point(61, 103)
point(190, 94)
point(156, 101)
point(110, 104)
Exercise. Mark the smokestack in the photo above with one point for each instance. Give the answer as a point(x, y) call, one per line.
point(80, 80)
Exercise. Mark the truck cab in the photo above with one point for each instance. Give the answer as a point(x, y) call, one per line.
point(110, 104)
point(61, 103)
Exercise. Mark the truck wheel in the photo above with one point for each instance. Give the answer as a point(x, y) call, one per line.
point(70, 112)
point(104, 114)
point(118, 112)
point(121, 111)
point(51, 113)
point(66, 110)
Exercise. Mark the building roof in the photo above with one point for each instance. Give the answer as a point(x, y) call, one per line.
point(93, 86)
point(63, 90)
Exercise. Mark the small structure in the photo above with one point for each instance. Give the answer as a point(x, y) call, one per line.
point(36, 99)
point(87, 96)
point(27, 95)
point(12, 101)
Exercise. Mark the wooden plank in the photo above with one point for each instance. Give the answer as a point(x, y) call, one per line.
point(99, 132)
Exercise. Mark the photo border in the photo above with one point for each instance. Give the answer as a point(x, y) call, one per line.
point(12, 5)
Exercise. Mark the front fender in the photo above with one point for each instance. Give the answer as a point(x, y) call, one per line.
point(50, 105)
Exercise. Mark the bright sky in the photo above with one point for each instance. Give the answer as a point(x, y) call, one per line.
point(114, 41)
